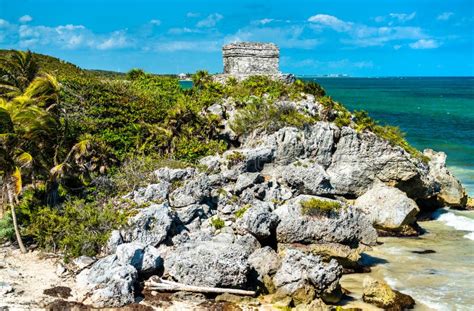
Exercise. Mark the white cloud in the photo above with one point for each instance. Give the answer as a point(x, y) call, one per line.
point(192, 14)
point(265, 21)
point(210, 20)
point(155, 22)
point(3, 23)
point(184, 30)
point(116, 40)
point(397, 46)
point(288, 36)
point(379, 19)
point(25, 19)
point(445, 16)
point(198, 45)
point(342, 64)
point(331, 22)
point(424, 44)
point(403, 17)
point(69, 37)
point(362, 35)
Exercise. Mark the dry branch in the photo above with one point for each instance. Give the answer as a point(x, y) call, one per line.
point(163, 285)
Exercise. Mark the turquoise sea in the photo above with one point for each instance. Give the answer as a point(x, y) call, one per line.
point(436, 113)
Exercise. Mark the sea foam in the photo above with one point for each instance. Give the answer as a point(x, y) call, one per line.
point(460, 223)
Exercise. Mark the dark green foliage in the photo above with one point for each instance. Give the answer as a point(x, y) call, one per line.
point(135, 73)
point(318, 207)
point(7, 233)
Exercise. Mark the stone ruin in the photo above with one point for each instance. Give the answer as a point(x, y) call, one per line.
point(245, 59)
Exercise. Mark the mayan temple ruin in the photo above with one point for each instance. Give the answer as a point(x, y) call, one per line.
point(244, 59)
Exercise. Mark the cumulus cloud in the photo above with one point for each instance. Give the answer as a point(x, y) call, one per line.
point(363, 35)
point(424, 44)
point(25, 19)
point(173, 46)
point(445, 16)
point(403, 17)
point(155, 22)
point(192, 14)
point(69, 37)
point(290, 36)
point(331, 22)
point(210, 21)
point(265, 21)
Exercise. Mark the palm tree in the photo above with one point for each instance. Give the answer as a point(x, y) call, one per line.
point(17, 71)
point(23, 125)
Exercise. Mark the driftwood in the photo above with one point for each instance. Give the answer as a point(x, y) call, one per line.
point(159, 284)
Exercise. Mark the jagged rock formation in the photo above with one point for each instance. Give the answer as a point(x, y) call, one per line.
point(239, 219)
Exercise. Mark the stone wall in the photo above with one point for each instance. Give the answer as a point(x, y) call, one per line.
point(250, 58)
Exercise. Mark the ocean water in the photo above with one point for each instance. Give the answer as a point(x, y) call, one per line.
point(436, 113)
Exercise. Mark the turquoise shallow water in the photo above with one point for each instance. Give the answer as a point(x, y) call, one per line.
point(436, 113)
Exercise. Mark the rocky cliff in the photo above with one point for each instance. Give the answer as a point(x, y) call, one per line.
point(284, 212)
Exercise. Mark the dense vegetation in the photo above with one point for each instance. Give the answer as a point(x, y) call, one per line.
point(72, 141)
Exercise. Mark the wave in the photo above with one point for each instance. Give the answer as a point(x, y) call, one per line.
point(460, 223)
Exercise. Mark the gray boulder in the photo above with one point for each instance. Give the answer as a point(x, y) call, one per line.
point(108, 283)
point(306, 177)
point(451, 193)
point(193, 191)
point(247, 159)
point(265, 261)
point(305, 276)
point(152, 193)
point(209, 263)
point(258, 220)
point(387, 207)
point(174, 174)
point(247, 180)
point(150, 226)
point(362, 159)
point(345, 226)
point(146, 259)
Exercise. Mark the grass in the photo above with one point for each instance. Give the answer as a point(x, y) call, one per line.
point(318, 207)
point(240, 213)
point(217, 223)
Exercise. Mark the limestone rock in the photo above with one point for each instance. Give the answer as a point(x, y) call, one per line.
point(246, 180)
point(361, 159)
point(193, 191)
point(150, 226)
point(5, 288)
point(305, 276)
point(265, 261)
point(209, 263)
point(381, 295)
point(347, 226)
point(387, 207)
point(451, 192)
point(152, 193)
point(258, 220)
point(307, 178)
point(171, 175)
point(108, 283)
point(146, 259)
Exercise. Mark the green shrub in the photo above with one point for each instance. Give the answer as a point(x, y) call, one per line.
point(241, 212)
point(137, 171)
point(77, 228)
point(318, 207)
point(235, 157)
point(260, 114)
point(7, 232)
point(217, 223)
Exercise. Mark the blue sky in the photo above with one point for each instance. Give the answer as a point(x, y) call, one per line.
point(360, 38)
